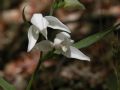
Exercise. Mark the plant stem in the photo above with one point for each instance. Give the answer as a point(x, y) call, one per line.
point(116, 74)
point(52, 9)
point(34, 74)
point(42, 59)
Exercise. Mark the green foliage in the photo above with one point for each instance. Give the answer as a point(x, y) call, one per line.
point(5, 85)
point(92, 39)
point(73, 4)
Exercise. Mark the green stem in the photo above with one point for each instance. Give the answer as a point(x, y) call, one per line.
point(116, 74)
point(34, 74)
point(52, 9)
point(42, 59)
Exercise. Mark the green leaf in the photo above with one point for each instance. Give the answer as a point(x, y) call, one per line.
point(5, 85)
point(92, 39)
point(73, 4)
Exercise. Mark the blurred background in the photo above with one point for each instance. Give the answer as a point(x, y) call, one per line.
point(17, 65)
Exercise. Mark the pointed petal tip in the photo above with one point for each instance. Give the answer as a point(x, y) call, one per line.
point(29, 49)
point(68, 31)
point(87, 59)
point(77, 54)
point(46, 38)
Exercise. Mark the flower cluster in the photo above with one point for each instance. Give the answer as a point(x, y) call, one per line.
point(62, 42)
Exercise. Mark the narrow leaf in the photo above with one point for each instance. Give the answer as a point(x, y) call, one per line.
point(5, 85)
point(92, 39)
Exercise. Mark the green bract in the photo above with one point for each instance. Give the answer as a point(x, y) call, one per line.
point(73, 4)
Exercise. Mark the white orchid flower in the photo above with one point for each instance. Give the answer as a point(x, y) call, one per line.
point(63, 45)
point(40, 24)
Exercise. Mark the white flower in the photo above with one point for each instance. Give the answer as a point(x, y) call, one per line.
point(63, 45)
point(40, 24)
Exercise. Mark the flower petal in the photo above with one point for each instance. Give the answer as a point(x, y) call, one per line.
point(60, 37)
point(44, 46)
point(75, 53)
point(41, 23)
point(32, 37)
point(56, 24)
point(63, 34)
point(44, 33)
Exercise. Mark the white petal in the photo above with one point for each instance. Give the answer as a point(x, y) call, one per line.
point(64, 48)
point(40, 22)
point(57, 41)
point(32, 37)
point(75, 53)
point(60, 37)
point(44, 33)
point(44, 46)
point(63, 34)
point(56, 24)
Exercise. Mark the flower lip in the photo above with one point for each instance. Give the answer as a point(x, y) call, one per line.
point(64, 48)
